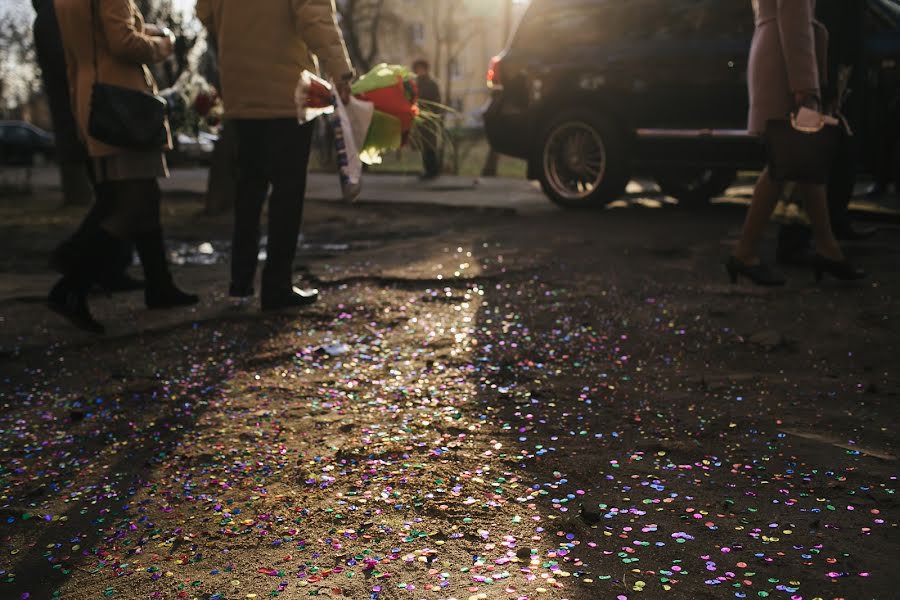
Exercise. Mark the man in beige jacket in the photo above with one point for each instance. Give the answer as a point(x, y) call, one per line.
point(263, 47)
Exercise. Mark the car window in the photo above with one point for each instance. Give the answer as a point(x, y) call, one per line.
point(551, 27)
point(706, 19)
point(883, 16)
point(19, 135)
point(611, 21)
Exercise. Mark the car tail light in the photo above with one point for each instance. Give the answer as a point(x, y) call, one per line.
point(494, 81)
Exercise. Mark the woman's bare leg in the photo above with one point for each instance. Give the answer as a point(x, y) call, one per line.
point(815, 201)
point(765, 199)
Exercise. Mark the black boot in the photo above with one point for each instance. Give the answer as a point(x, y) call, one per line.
point(161, 292)
point(119, 280)
point(85, 260)
point(114, 279)
point(68, 298)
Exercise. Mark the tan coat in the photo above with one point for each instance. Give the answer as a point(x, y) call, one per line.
point(123, 50)
point(789, 55)
point(263, 47)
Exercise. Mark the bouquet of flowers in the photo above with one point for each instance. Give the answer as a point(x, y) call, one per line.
point(383, 114)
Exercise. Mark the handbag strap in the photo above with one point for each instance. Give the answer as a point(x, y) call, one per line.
point(94, 39)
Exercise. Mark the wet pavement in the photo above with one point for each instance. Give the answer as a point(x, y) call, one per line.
point(486, 404)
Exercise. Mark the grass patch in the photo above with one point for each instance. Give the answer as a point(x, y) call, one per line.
point(465, 155)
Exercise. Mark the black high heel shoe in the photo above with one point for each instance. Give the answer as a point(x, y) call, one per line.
point(761, 274)
point(839, 269)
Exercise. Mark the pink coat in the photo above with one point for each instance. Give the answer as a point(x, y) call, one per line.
point(789, 55)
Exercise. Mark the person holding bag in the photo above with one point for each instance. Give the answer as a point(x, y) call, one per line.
point(786, 73)
point(120, 119)
point(76, 173)
point(263, 49)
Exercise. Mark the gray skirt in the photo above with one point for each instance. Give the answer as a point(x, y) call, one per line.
point(130, 165)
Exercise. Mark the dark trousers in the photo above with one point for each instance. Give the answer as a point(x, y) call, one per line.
point(270, 152)
point(431, 158)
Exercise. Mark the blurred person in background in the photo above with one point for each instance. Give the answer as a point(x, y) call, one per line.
point(107, 41)
point(430, 92)
point(75, 168)
point(844, 22)
point(263, 47)
point(786, 72)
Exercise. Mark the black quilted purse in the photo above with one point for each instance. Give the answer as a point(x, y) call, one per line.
point(124, 117)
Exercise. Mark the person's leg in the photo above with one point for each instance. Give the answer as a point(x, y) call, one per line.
point(252, 187)
point(430, 161)
point(104, 205)
point(829, 257)
point(815, 202)
point(144, 207)
point(765, 198)
point(86, 259)
point(841, 187)
point(87, 263)
point(288, 150)
point(136, 218)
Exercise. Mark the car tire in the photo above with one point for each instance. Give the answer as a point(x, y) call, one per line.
point(696, 186)
point(583, 160)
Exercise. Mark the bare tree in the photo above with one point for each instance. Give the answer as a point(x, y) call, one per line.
point(361, 22)
point(453, 30)
point(492, 162)
point(19, 80)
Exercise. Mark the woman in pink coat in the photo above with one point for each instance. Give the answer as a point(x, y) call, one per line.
point(787, 69)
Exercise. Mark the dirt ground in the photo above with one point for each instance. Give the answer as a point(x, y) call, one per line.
point(485, 404)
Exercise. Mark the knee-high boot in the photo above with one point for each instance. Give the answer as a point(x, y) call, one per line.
point(160, 291)
point(88, 260)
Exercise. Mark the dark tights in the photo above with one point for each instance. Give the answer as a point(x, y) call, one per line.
point(133, 208)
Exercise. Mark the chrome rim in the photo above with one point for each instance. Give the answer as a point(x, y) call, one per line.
point(574, 160)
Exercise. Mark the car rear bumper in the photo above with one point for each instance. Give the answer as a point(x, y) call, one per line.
point(508, 130)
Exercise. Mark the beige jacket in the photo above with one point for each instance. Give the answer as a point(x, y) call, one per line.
point(789, 54)
point(263, 47)
point(123, 51)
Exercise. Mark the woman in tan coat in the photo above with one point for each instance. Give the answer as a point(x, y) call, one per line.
point(112, 35)
point(786, 72)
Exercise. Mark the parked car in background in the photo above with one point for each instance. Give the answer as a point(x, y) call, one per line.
point(594, 92)
point(21, 144)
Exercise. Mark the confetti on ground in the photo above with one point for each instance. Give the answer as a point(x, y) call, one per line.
point(505, 435)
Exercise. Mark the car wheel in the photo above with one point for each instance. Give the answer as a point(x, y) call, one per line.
point(583, 161)
point(696, 186)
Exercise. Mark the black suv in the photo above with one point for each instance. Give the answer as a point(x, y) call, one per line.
point(593, 92)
